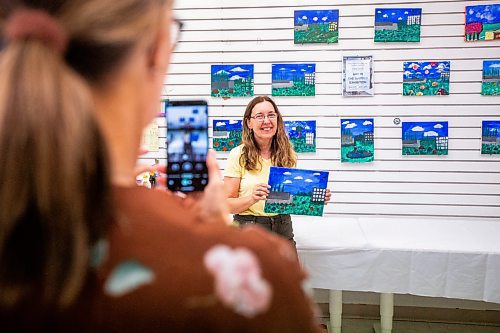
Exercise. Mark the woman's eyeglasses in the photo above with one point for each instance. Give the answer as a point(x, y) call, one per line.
point(260, 117)
point(175, 32)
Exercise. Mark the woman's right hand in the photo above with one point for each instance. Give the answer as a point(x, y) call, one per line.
point(260, 192)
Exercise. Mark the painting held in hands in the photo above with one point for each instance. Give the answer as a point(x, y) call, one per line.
point(296, 191)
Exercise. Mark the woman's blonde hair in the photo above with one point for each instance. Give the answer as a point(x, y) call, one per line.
point(55, 193)
point(282, 153)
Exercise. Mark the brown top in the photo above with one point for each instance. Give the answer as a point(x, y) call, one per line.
point(162, 270)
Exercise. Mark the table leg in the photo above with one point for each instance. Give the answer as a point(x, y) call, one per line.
point(335, 311)
point(386, 312)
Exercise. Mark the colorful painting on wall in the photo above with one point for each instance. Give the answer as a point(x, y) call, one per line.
point(357, 140)
point(302, 134)
point(397, 24)
point(426, 78)
point(316, 26)
point(296, 191)
point(425, 138)
point(482, 22)
point(226, 134)
point(293, 79)
point(357, 76)
point(490, 138)
point(232, 80)
point(491, 78)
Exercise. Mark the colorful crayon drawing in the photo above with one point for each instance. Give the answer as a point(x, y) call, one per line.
point(482, 22)
point(296, 191)
point(302, 134)
point(293, 79)
point(397, 24)
point(426, 78)
point(356, 140)
point(232, 80)
point(490, 139)
point(226, 134)
point(425, 138)
point(316, 26)
point(491, 78)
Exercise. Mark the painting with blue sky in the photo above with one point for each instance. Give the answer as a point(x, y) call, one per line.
point(232, 80)
point(425, 138)
point(302, 134)
point(293, 79)
point(491, 78)
point(482, 22)
point(226, 134)
point(296, 191)
point(397, 24)
point(357, 140)
point(490, 138)
point(426, 78)
point(316, 26)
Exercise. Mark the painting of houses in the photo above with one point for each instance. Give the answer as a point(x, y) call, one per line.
point(397, 24)
point(296, 191)
point(425, 138)
point(302, 134)
point(232, 80)
point(293, 79)
point(226, 134)
point(490, 138)
point(482, 22)
point(426, 78)
point(357, 140)
point(316, 26)
point(491, 78)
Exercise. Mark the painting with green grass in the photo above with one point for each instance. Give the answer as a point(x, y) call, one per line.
point(426, 78)
point(397, 24)
point(425, 138)
point(491, 78)
point(302, 134)
point(232, 81)
point(296, 191)
point(490, 139)
point(482, 23)
point(316, 26)
point(293, 79)
point(226, 134)
point(356, 140)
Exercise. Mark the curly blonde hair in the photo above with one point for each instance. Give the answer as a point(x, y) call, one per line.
point(282, 152)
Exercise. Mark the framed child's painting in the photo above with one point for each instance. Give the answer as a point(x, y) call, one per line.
point(425, 138)
point(357, 76)
point(482, 22)
point(296, 191)
point(232, 80)
point(226, 134)
point(302, 134)
point(426, 78)
point(397, 24)
point(316, 26)
point(356, 140)
point(491, 78)
point(490, 138)
point(293, 79)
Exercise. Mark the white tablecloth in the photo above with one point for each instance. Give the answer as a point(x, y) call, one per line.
point(427, 257)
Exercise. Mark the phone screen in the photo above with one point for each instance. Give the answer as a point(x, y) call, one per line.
point(187, 145)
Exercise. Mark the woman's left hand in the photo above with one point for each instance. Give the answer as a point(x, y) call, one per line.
point(328, 196)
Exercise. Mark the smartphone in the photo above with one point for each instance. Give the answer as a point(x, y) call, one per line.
point(187, 145)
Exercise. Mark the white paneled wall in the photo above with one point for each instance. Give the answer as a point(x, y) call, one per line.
point(462, 184)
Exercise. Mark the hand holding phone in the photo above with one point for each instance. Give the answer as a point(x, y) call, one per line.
point(187, 145)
